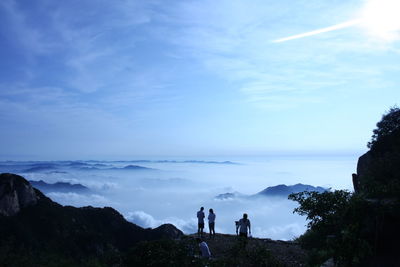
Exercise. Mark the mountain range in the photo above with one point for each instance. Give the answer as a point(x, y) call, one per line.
point(58, 187)
point(274, 191)
point(32, 224)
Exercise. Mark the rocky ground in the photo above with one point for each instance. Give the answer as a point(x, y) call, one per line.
point(282, 253)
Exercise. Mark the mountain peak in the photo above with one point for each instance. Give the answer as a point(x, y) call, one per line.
point(285, 190)
point(15, 193)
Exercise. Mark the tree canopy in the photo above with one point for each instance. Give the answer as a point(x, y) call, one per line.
point(388, 125)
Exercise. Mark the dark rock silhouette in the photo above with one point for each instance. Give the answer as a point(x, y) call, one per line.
point(15, 193)
point(34, 224)
point(378, 170)
point(363, 166)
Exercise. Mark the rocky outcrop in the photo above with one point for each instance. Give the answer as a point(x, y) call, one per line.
point(363, 169)
point(16, 193)
point(168, 231)
point(378, 173)
point(35, 225)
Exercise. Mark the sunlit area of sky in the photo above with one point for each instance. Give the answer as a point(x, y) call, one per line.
point(129, 78)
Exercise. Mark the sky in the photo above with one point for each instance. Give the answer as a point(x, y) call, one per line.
point(155, 78)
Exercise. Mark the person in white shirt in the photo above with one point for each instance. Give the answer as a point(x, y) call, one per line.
point(211, 222)
point(205, 251)
point(200, 218)
point(242, 225)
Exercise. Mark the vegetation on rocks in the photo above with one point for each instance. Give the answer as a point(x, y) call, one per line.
point(361, 228)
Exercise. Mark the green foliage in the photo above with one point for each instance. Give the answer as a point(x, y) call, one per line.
point(359, 229)
point(336, 227)
point(389, 124)
point(321, 208)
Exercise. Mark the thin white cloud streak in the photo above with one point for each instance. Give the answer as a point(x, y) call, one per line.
point(339, 26)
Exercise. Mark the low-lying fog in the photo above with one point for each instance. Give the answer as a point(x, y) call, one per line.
point(173, 191)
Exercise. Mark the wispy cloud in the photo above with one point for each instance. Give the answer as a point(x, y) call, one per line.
point(267, 74)
point(32, 40)
point(319, 31)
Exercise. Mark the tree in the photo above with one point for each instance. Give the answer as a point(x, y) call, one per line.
point(336, 227)
point(388, 125)
point(359, 229)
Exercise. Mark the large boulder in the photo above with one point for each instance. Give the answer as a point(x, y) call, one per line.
point(363, 169)
point(378, 174)
point(378, 170)
point(16, 193)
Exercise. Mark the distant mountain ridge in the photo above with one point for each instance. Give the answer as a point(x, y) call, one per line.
point(179, 161)
point(23, 167)
point(285, 190)
point(58, 187)
point(281, 190)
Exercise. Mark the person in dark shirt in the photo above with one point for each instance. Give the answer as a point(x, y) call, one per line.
point(200, 218)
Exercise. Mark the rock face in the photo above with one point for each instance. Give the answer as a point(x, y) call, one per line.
point(378, 171)
point(15, 194)
point(167, 231)
point(378, 182)
point(363, 167)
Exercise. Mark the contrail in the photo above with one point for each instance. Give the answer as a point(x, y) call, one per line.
point(327, 29)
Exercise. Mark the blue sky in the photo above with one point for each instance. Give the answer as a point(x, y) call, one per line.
point(97, 79)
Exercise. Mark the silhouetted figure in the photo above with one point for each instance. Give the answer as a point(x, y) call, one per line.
point(211, 222)
point(205, 251)
point(242, 225)
point(200, 218)
point(237, 227)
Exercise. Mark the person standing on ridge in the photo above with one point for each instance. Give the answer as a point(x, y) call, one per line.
point(243, 225)
point(200, 218)
point(211, 222)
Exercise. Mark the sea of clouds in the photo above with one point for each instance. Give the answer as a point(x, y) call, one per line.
point(172, 191)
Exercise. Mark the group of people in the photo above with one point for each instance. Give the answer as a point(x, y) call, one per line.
point(211, 222)
point(243, 229)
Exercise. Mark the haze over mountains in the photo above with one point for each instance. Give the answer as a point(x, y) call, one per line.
point(58, 187)
point(274, 191)
point(150, 192)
